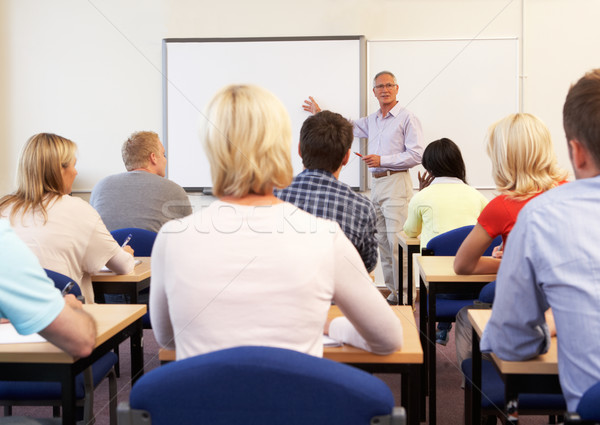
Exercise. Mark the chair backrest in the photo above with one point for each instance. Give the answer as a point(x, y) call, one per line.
point(259, 385)
point(447, 244)
point(141, 241)
point(589, 405)
point(60, 281)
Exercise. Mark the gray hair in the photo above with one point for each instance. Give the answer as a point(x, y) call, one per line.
point(379, 74)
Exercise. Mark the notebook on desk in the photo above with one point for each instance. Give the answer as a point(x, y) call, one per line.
point(106, 269)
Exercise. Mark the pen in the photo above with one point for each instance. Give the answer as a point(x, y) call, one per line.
point(356, 153)
point(127, 239)
point(67, 288)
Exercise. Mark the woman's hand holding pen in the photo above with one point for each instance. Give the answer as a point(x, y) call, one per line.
point(125, 245)
point(72, 301)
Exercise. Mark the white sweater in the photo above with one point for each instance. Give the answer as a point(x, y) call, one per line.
point(233, 275)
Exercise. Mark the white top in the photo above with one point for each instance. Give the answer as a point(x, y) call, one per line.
point(74, 241)
point(233, 275)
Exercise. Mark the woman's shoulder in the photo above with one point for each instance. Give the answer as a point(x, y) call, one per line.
point(72, 206)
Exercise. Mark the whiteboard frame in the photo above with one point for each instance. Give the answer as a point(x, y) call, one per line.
point(359, 144)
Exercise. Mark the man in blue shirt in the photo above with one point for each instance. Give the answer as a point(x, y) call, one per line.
point(29, 300)
point(552, 260)
point(325, 141)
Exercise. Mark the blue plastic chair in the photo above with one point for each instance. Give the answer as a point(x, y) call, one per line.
point(24, 393)
point(142, 240)
point(447, 244)
point(492, 394)
point(588, 409)
point(258, 385)
point(589, 405)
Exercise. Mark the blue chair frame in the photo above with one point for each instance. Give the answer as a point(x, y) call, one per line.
point(258, 385)
point(588, 409)
point(142, 241)
point(447, 244)
point(492, 391)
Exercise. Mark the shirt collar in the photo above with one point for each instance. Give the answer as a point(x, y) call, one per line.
point(447, 180)
point(393, 112)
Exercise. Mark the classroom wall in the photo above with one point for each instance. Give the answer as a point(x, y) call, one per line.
point(91, 71)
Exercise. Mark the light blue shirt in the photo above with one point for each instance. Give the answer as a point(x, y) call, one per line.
point(28, 297)
point(552, 259)
point(397, 138)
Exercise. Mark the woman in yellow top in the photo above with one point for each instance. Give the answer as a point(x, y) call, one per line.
point(445, 201)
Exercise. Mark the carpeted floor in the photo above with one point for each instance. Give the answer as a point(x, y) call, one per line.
point(450, 402)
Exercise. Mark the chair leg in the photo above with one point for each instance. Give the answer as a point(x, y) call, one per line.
point(489, 420)
point(7, 410)
point(56, 411)
point(88, 410)
point(112, 396)
point(117, 367)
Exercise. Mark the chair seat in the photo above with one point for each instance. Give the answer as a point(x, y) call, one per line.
point(492, 394)
point(258, 385)
point(23, 390)
point(446, 309)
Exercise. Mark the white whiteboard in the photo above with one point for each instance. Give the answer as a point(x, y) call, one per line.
point(331, 69)
point(457, 89)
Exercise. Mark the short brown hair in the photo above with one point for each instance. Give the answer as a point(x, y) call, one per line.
point(324, 140)
point(581, 113)
point(137, 149)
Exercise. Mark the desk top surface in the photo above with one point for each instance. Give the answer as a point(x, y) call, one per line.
point(110, 319)
point(411, 352)
point(139, 273)
point(545, 364)
point(405, 240)
point(441, 269)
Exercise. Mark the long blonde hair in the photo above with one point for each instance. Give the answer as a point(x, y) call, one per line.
point(39, 176)
point(247, 139)
point(523, 159)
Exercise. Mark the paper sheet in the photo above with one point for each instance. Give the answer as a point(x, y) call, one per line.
point(330, 342)
point(9, 335)
point(106, 269)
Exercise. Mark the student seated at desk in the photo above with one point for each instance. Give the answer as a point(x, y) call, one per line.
point(251, 269)
point(445, 202)
point(29, 300)
point(523, 166)
point(536, 274)
point(65, 233)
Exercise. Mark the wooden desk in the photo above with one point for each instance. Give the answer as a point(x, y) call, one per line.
point(437, 277)
point(44, 361)
point(407, 361)
point(411, 246)
point(538, 375)
point(131, 284)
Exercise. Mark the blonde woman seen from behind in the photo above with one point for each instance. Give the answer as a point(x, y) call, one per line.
point(65, 233)
point(523, 166)
point(250, 269)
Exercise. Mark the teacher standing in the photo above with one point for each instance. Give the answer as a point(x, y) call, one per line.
point(395, 145)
